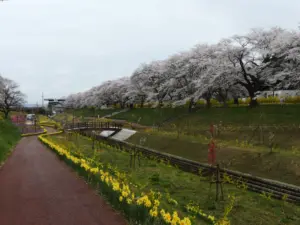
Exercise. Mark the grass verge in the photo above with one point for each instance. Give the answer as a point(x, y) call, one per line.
point(9, 136)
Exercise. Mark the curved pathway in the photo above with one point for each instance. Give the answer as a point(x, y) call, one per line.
point(37, 188)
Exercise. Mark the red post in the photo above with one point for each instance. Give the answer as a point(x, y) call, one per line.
point(212, 152)
point(212, 147)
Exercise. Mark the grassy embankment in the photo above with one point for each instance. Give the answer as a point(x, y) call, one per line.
point(243, 140)
point(249, 208)
point(9, 136)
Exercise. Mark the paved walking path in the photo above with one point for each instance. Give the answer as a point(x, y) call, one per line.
point(37, 188)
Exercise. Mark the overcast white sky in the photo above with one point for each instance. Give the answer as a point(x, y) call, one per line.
point(64, 46)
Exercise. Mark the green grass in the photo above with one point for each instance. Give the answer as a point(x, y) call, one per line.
point(249, 209)
point(9, 136)
point(242, 147)
point(150, 117)
point(89, 112)
point(266, 114)
point(281, 165)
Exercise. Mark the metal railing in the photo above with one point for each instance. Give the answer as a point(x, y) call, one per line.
point(93, 125)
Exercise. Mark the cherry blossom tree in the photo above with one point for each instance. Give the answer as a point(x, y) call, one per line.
point(235, 67)
point(10, 96)
point(260, 59)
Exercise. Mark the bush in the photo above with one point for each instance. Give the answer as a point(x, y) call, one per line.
point(269, 100)
point(117, 106)
point(200, 102)
point(150, 104)
point(167, 105)
point(292, 100)
point(215, 102)
point(187, 103)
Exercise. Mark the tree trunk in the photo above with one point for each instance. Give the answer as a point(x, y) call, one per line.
point(191, 104)
point(236, 101)
point(160, 103)
point(253, 103)
point(208, 103)
point(253, 100)
point(6, 114)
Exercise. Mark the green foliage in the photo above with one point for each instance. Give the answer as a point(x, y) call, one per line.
point(215, 102)
point(9, 136)
point(269, 100)
point(167, 105)
point(154, 178)
point(293, 100)
point(200, 102)
point(117, 106)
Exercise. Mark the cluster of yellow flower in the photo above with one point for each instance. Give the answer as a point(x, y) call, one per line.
point(174, 218)
point(154, 210)
point(118, 185)
point(196, 210)
point(32, 134)
point(144, 200)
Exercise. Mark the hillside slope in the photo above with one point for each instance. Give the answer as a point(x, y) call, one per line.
point(9, 136)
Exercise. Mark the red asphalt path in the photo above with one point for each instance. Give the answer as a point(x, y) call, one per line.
point(36, 188)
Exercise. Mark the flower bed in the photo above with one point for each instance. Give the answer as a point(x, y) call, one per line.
point(37, 133)
point(139, 207)
point(50, 124)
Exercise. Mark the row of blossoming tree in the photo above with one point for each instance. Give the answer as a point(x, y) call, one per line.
point(240, 66)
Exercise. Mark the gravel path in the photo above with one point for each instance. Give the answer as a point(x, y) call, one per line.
point(36, 188)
